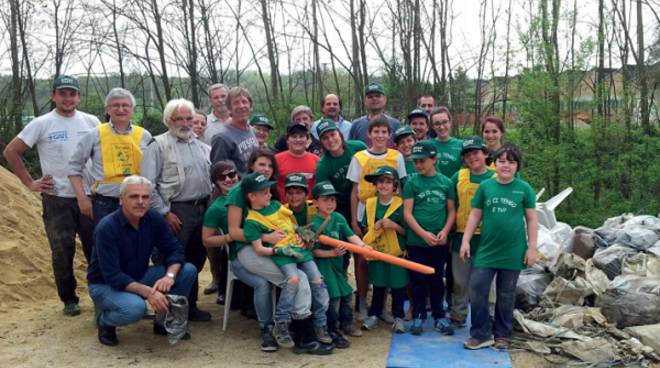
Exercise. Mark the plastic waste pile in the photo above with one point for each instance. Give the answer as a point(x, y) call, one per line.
point(594, 295)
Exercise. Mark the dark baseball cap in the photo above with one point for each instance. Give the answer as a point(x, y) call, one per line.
point(418, 112)
point(296, 180)
point(261, 120)
point(374, 88)
point(255, 182)
point(324, 126)
point(403, 131)
point(66, 82)
point(473, 143)
point(324, 188)
point(423, 149)
point(382, 171)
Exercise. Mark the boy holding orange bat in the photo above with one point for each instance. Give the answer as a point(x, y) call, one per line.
point(383, 217)
point(428, 209)
point(330, 261)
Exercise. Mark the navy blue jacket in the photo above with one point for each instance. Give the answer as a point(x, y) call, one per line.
point(121, 253)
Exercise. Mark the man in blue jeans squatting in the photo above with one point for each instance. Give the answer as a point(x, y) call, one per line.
point(119, 275)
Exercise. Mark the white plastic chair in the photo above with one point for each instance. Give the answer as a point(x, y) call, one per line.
point(230, 289)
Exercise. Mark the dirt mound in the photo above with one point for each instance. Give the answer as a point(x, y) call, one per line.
point(25, 257)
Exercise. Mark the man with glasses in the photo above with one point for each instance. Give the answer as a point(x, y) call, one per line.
point(177, 165)
point(115, 149)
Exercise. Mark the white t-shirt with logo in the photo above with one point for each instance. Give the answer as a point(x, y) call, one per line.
point(56, 138)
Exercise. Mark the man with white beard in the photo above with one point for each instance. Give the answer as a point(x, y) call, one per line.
point(178, 166)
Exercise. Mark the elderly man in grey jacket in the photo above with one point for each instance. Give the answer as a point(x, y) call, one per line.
point(177, 165)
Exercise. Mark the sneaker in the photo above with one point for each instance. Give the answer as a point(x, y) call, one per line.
point(398, 326)
point(386, 317)
point(371, 323)
point(501, 343)
point(71, 309)
point(211, 288)
point(322, 334)
point(268, 343)
point(197, 315)
point(220, 300)
point(443, 326)
point(339, 340)
point(313, 348)
point(417, 326)
point(282, 336)
point(474, 344)
point(352, 330)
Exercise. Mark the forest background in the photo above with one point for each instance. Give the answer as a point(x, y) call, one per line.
point(577, 82)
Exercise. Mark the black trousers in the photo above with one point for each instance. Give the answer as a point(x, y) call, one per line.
point(63, 220)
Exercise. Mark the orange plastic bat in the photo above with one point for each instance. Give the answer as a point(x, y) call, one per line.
point(413, 266)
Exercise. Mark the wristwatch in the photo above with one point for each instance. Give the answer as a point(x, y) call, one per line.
point(170, 275)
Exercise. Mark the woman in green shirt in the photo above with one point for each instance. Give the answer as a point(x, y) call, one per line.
point(503, 202)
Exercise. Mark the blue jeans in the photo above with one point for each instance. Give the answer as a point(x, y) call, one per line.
point(339, 309)
point(262, 293)
point(505, 282)
point(421, 283)
point(319, 290)
point(120, 308)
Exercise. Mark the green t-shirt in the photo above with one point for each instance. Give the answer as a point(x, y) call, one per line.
point(332, 268)
point(216, 218)
point(503, 236)
point(301, 217)
point(410, 166)
point(384, 274)
point(235, 198)
point(253, 231)
point(430, 195)
point(449, 159)
point(334, 169)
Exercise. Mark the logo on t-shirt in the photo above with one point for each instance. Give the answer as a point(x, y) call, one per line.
point(58, 136)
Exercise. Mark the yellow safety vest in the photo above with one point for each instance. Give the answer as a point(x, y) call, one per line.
point(465, 191)
point(121, 153)
point(281, 220)
point(384, 241)
point(369, 165)
point(311, 211)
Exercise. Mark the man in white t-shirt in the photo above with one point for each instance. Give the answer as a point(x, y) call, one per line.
point(56, 135)
point(219, 115)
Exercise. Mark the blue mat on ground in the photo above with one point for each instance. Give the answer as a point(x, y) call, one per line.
point(431, 349)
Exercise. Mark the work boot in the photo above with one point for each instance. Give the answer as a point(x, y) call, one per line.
point(108, 335)
point(197, 315)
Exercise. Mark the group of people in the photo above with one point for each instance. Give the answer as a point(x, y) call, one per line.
point(149, 211)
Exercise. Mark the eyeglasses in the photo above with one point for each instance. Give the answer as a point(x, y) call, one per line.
point(440, 122)
point(231, 175)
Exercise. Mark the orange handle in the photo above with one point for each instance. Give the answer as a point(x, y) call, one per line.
point(413, 266)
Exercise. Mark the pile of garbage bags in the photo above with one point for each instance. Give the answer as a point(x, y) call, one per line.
point(594, 295)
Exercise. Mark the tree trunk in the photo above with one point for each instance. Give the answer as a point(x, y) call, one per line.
point(641, 70)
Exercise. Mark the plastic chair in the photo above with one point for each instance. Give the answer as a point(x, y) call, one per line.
point(229, 291)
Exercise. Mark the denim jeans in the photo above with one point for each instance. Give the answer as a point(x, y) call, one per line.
point(378, 301)
point(505, 284)
point(314, 281)
point(421, 283)
point(103, 206)
point(263, 304)
point(62, 221)
point(265, 268)
point(120, 308)
point(339, 309)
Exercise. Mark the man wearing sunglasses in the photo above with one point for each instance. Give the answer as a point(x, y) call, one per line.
point(177, 165)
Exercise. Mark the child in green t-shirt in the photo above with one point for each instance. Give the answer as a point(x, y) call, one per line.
point(503, 202)
point(383, 218)
point(330, 261)
point(296, 191)
point(289, 255)
point(428, 209)
point(404, 139)
point(466, 182)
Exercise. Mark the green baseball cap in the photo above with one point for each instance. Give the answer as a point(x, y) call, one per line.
point(324, 126)
point(423, 149)
point(473, 143)
point(324, 188)
point(374, 88)
point(255, 182)
point(296, 180)
point(261, 120)
point(66, 82)
point(403, 131)
point(418, 112)
point(382, 171)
